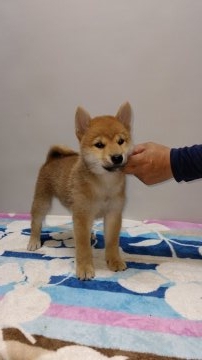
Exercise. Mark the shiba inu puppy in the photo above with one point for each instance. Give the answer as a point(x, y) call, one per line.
point(90, 183)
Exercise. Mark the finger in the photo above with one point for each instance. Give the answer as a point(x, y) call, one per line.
point(131, 169)
point(135, 160)
point(138, 149)
point(128, 170)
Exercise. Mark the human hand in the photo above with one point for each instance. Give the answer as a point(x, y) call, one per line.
point(150, 163)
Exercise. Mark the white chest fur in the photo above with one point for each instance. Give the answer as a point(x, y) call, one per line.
point(109, 194)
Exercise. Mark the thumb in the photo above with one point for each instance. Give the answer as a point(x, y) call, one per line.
point(138, 149)
point(133, 162)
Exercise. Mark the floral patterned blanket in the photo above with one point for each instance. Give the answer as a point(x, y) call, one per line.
point(153, 310)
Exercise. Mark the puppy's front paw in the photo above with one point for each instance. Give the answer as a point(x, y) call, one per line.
point(116, 264)
point(33, 245)
point(85, 271)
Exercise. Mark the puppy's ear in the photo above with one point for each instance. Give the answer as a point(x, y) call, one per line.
point(124, 114)
point(82, 119)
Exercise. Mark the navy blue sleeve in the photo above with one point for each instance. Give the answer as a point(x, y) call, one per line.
point(186, 163)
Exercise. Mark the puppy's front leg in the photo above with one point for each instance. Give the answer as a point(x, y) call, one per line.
point(112, 227)
point(82, 235)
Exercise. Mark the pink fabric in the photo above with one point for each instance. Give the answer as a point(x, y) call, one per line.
point(176, 224)
point(110, 318)
point(15, 216)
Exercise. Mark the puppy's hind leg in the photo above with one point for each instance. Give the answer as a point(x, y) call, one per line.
point(41, 205)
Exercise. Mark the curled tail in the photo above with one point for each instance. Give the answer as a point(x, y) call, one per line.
point(59, 151)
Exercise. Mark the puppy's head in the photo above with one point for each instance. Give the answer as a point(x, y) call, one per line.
point(105, 140)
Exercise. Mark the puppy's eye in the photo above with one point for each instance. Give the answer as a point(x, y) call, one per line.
point(100, 145)
point(121, 141)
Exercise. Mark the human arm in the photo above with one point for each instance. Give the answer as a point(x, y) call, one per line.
point(150, 162)
point(154, 163)
point(186, 163)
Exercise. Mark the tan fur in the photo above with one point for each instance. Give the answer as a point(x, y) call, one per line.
point(91, 184)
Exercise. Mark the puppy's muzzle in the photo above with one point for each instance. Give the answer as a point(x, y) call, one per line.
point(117, 159)
point(116, 163)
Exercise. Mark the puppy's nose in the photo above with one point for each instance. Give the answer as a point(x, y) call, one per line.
point(117, 159)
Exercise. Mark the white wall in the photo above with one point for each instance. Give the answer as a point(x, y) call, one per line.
point(56, 55)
